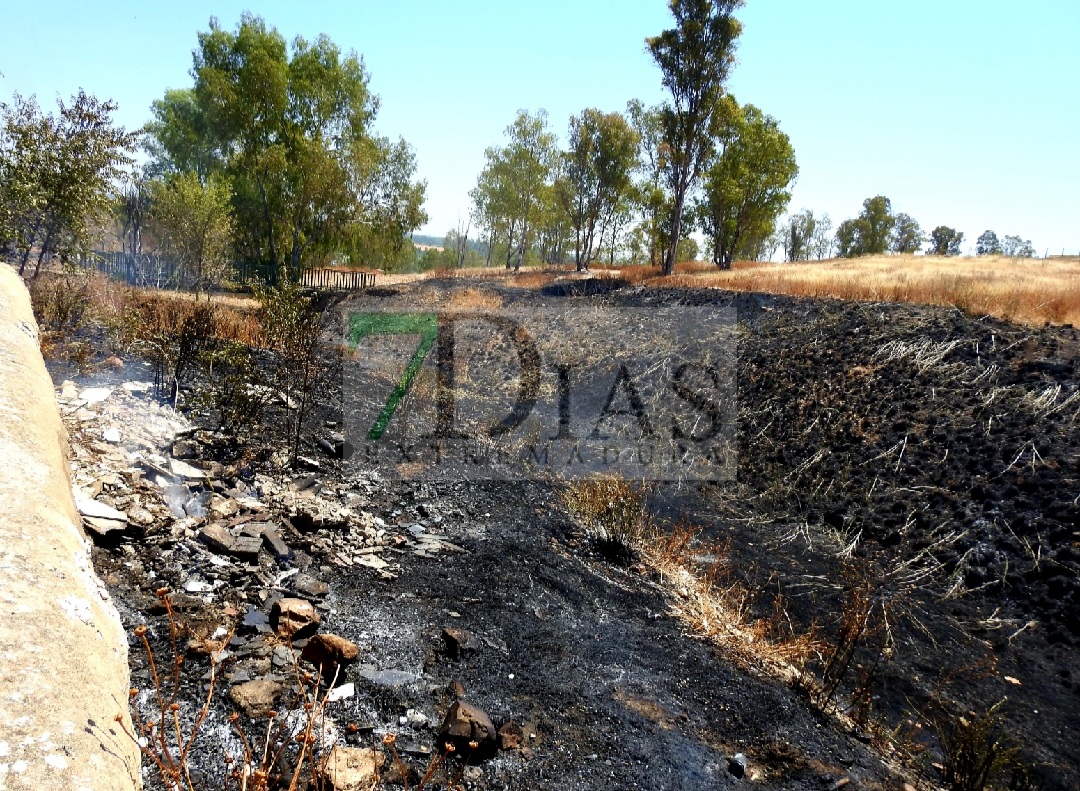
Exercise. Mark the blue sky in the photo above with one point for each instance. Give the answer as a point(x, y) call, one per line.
point(963, 112)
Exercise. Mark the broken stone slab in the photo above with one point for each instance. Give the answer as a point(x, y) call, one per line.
point(256, 698)
point(186, 471)
point(352, 768)
point(95, 395)
point(185, 449)
point(371, 561)
point(387, 678)
point(218, 538)
point(465, 723)
point(246, 547)
point(111, 434)
point(294, 618)
point(105, 530)
point(276, 544)
point(95, 509)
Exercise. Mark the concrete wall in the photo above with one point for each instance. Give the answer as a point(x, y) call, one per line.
point(63, 652)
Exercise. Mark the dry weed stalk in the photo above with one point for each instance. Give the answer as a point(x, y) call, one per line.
point(154, 740)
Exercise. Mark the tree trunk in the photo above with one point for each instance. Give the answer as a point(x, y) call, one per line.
point(676, 231)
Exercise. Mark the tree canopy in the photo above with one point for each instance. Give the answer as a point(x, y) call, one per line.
point(57, 173)
point(514, 186)
point(596, 177)
point(748, 184)
point(196, 223)
point(290, 128)
point(945, 241)
point(869, 233)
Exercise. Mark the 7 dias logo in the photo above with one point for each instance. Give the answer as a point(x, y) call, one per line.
point(538, 391)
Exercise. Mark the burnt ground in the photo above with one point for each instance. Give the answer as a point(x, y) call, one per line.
point(930, 452)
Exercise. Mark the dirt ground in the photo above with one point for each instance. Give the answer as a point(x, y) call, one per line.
point(932, 453)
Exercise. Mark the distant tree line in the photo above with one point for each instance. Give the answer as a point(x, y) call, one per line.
point(877, 230)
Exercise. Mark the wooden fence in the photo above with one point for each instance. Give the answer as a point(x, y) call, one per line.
point(337, 279)
point(155, 271)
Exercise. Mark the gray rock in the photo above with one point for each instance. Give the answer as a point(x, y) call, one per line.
point(277, 545)
point(306, 585)
point(465, 723)
point(388, 678)
point(185, 449)
point(256, 698)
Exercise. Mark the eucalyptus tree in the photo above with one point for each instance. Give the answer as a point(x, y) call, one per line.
point(510, 194)
point(290, 127)
point(945, 241)
point(694, 58)
point(748, 184)
point(870, 232)
point(907, 235)
point(596, 177)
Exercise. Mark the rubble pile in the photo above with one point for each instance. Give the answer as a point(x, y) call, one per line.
point(142, 472)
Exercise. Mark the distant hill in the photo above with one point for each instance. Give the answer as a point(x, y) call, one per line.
point(437, 241)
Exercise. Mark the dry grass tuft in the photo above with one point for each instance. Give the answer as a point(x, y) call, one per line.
point(474, 299)
point(716, 604)
point(707, 595)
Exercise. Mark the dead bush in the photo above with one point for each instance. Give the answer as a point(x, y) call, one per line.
point(613, 513)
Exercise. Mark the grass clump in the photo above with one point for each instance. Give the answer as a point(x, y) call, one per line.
point(977, 753)
point(614, 515)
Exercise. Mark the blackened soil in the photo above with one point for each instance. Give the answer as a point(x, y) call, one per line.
point(932, 450)
point(584, 655)
point(934, 456)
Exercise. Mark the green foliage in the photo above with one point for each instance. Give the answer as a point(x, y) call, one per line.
point(687, 250)
point(56, 174)
point(236, 394)
point(945, 241)
point(195, 220)
point(1015, 247)
point(515, 184)
point(649, 240)
point(694, 58)
point(748, 185)
point(907, 235)
point(595, 177)
point(988, 244)
point(869, 233)
point(289, 127)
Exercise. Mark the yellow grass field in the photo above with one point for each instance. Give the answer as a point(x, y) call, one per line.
point(1030, 291)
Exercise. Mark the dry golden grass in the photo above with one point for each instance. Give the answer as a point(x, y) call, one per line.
point(706, 594)
point(474, 299)
point(1030, 291)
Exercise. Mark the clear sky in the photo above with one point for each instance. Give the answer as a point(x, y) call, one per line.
point(963, 112)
